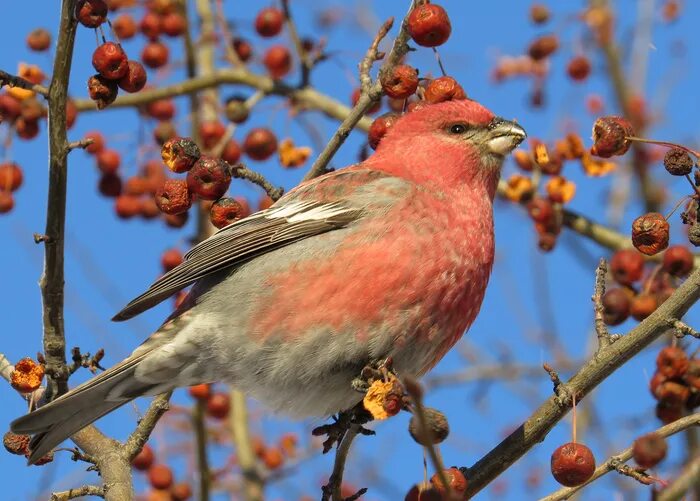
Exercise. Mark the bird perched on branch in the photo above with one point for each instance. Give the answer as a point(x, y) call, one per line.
point(387, 258)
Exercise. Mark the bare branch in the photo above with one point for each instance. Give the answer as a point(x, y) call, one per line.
point(601, 328)
point(140, 435)
point(15, 81)
point(85, 490)
point(253, 482)
point(242, 172)
point(682, 329)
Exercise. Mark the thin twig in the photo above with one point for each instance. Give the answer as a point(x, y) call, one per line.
point(82, 144)
point(331, 491)
point(372, 56)
point(601, 328)
point(200, 434)
point(682, 329)
point(15, 81)
point(242, 172)
point(85, 490)
point(140, 435)
point(306, 65)
point(253, 482)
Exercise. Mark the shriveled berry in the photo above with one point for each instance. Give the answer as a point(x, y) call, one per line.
point(32, 109)
point(108, 161)
point(429, 25)
point(650, 233)
point(278, 61)
point(678, 162)
point(173, 24)
point(627, 266)
point(209, 178)
point(11, 176)
point(15, 443)
point(572, 464)
point(649, 450)
point(380, 127)
point(39, 40)
point(232, 151)
point(610, 136)
point(260, 144)
point(91, 13)
point(27, 375)
point(225, 211)
point(543, 46)
point(7, 202)
point(137, 186)
point(125, 27)
point(173, 197)
point(668, 412)
point(110, 185)
point(243, 49)
point(182, 491)
point(579, 68)
point(678, 261)
point(444, 89)
point(236, 109)
point(200, 392)
point(436, 422)
point(160, 476)
point(211, 132)
point(672, 392)
point(102, 90)
point(135, 78)
point(616, 306)
point(155, 55)
point(110, 61)
point(180, 153)
point(455, 480)
point(46, 458)
point(400, 82)
point(218, 405)
point(269, 21)
point(71, 113)
point(672, 362)
point(643, 305)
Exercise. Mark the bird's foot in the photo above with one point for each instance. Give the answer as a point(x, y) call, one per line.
point(335, 431)
point(378, 370)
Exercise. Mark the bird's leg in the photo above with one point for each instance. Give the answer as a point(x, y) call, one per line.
point(335, 431)
point(371, 372)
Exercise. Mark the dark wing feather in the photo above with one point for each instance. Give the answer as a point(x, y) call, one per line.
point(242, 241)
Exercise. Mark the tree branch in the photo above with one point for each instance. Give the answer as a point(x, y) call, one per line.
point(85, 490)
point(253, 482)
point(15, 81)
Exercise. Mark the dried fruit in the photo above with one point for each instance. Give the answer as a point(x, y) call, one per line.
point(649, 450)
point(672, 393)
point(540, 210)
point(579, 68)
point(444, 89)
point(173, 24)
point(225, 211)
point(518, 188)
point(180, 153)
point(91, 13)
point(455, 480)
point(438, 427)
point(650, 233)
point(269, 21)
point(144, 459)
point(610, 136)
point(572, 464)
point(278, 61)
point(110, 185)
point(627, 266)
point(232, 152)
point(380, 127)
point(260, 144)
point(155, 55)
point(243, 49)
point(643, 305)
point(124, 27)
point(127, 206)
point(539, 13)
point(543, 47)
point(672, 362)
point(135, 77)
point(668, 412)
point(39, 40)
point(678, 162)
point(108, 161)
point(272, 458)
point(15, 443)
point(110, 61)
point(400, 82)
point(209, 178)
point(181, 491)
point(27, 375)
point(560, 190)
point(162, 109)
point(678, 261)
point(384, 398)
point(616, 306)
point(429, 25)
point(173, 197)
point(218, 405)
point(236, 109)
point(102, 90)
point(150, 25)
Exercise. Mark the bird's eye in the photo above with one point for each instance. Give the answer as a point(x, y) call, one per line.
point(458, 129)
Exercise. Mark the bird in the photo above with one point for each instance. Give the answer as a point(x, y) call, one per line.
point(389, 257)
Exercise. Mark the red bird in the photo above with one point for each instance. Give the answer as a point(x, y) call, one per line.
point(387, 258)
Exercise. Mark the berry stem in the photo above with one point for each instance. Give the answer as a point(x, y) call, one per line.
point(667, 144)
point(439, 61)
point(573, 418)
point(675, 208)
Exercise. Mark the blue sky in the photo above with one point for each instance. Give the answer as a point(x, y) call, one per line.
point(108, 261)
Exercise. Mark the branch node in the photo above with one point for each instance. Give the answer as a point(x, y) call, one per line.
point(682, 329)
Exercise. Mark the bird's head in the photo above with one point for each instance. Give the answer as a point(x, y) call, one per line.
point(453, 143)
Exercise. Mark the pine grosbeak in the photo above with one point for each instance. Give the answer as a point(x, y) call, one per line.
point(387, 258)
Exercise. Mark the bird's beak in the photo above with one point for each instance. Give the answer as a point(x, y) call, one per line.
point(504, 136)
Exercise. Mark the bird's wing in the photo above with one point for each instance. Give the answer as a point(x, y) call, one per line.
point(311, 209)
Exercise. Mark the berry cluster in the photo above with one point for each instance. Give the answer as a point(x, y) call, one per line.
point(160, 476)
point(675, 384)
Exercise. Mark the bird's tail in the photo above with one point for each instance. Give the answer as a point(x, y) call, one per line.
point(56, 421)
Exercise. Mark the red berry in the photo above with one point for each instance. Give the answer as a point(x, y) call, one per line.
point(539, 13)
point(649, 450)
point(160, 476)
point(444, 89)
point(170, 259)
point(200, 392)
point(543, 47)
point(643, 305)
point(102, 90)
point(616, 306)
point(173, 197)
point(429, 25)
point(11, 176)
point(678, 261)
point(98, 142)
point(272, 458)
point(173, 24)
point(209, 178)
point(155, 55)
point(232, 152)
point(149, 209)
point(672, 362)
point(164, 132)
point(609, 136)
point(401, 82)
point(109, 60)
point(71, 113)
point(135, 78)
point(579, 68)
point(278, 61)
point(180, 153)
point(7, 202)
point(150, 25)
point(672, 393)
point(108, 161)
point(627, 266)
point(39, 40)
point(218, 405)
point(380, 127)
point(127, 206)
point(144, 459)
point(125, 27)
point(456, 481)
point(265, 202)
point(572, 464)
point(181, 491)
point(162, 109)
point(243, 49)
point(10, 108)
point(268, 22)
point(650, 233)
point(355, 97)
point(260, 144)
point(26, 129)
point(540, 210)
point(668, 412)
point(211, 133)
point(91, 13)
point(225, 211)
point(110, 185)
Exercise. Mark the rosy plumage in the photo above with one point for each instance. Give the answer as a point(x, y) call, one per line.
point(389, 257)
